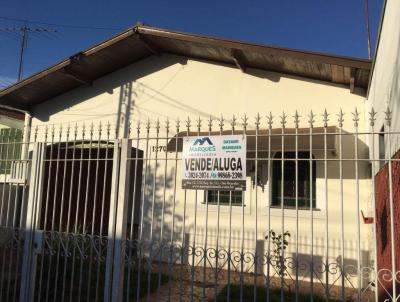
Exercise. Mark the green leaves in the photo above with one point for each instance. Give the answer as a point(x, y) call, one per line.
point(280, 244)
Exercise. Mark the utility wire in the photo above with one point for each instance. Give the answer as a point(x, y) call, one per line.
point(60, 25)
point(367, 28)
point(24, 30)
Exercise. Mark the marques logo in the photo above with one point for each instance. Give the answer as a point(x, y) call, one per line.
point(198, 143)
point(201, 141)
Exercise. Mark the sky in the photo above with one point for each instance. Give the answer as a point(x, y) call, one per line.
point(328, 26)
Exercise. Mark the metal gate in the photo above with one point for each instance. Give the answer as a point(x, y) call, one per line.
point(90, 216)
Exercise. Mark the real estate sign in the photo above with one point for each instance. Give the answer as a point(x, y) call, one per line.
point(214, 163)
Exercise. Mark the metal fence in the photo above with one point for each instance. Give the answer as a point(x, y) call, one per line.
point(88, 215)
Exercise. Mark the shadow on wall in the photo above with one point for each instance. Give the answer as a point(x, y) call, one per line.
point(131, 74)
point(125, 106)
point(157, 95)
point(160, 221)
point(106, 84)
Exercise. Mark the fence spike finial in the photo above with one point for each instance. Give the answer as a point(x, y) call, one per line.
point(138, 126)
point(245, 122)
point(233, 122)
point(270, 120)
point(296, 119)
point(221, 123)
point(257, 121)
point(372, 117)
point(198, 124)
point(167, 124)
point(340, 118)
point(53, 129)
point(76, 130)
point(91, 129)
point(388, 116)
point(46, 130)
point(356, 117)
point(108, 129)
point(187, 122)
point(148, 125)
point(129, 127)
point(68, 130)
point(35, 132)
point(325, 118)
point(210, 121)
point(99, 129)
point(158, 125)
point(283, 119)
point(311, 119)
point(116, 130)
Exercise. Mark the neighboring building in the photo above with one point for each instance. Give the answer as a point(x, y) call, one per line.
point(11, 129)
point(150, 74)
point(11, 134)
point(11, 119)
point(384, 94)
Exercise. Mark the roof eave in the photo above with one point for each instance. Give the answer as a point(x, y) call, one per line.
point(8, 96)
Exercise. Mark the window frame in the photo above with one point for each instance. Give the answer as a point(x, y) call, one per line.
point(274, 201)
point(223, 203)
point(11, 140)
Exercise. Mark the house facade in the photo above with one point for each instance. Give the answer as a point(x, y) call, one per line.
point(106, 129)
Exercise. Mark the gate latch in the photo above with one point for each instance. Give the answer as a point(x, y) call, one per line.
point(38, 242)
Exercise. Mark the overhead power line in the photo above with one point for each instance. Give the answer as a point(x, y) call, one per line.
point(24, 31)
point(367, 27)
point(75, 26)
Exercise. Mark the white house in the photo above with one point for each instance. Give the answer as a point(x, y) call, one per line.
point(306, 121)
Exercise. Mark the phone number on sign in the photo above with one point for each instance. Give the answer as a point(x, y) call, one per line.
point(216, 175)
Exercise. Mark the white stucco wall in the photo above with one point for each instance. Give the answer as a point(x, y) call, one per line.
point(171, 86)
point(176, 87)
point(384, 88)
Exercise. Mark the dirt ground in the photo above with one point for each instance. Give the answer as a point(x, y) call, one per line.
point(183, 281)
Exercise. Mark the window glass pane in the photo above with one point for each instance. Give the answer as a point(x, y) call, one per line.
point(224, 197)
point(288, 194)
point(10, 148)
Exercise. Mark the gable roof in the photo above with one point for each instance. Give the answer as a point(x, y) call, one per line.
point(142, 41)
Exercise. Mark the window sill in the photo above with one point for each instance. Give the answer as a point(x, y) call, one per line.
point(224, 208)
point(222, 204)
point(294, 208)
point(290, 212)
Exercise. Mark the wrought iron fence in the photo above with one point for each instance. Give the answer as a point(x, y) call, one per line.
point(92, 213)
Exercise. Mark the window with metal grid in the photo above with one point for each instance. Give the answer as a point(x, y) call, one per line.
point(224, 197)
point(306, 180)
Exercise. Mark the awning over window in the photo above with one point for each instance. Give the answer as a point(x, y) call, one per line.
point(280, 140)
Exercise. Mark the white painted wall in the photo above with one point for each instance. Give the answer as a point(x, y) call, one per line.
point(175, 87)
point(384, 88)
point(171, 86)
